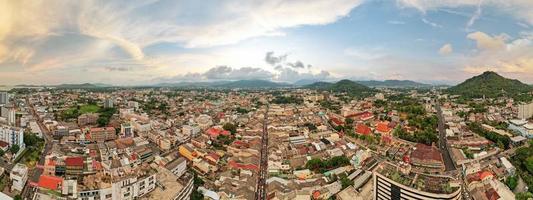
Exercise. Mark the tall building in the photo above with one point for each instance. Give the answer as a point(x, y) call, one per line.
point(8, 112)
point(525, 111)
point(18, 176)
point(12, 136)
point(126, 130)
point(396, 182)
point(4, 98)
point(108, 103)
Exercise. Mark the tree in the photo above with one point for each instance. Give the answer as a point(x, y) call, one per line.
point(529, 164)
point(230, 127)
point(2, 152)
point(17, 197)
point(14, 149)
point(512, 182)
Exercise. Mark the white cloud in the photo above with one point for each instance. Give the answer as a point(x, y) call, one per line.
point(433, 24)
point(446, 49)
point(514, 57)
point(521, 9)
point(396, 22)
point(487, 42)
point(129, 27)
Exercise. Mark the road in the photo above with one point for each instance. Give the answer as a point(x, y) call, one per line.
point(260, 191)
point(443, 143)
point(35, 173)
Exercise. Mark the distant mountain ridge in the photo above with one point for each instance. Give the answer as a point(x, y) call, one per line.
point(394, 84)
point(490, 84)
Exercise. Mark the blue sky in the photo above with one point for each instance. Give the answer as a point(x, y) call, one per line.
point(142, 42)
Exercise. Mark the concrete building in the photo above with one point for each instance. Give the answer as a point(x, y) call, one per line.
point(18, 176)
point(12, 136)
point(525, 111)
point(8, 112)
point(177, 166)
point(108, 103)
point(126, 130)
point(4, 98)
point(428, 188)
point(192, 131)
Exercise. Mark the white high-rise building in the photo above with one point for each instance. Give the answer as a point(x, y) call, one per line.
point(12, 136)
point(525, 111)
point(108, 103)
point(8, 112)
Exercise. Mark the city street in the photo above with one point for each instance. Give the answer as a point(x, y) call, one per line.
point(260, 192)
point(443, 144)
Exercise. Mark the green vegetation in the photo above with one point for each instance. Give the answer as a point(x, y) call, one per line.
point(241, 110)
point(310, 126)
point(105, 116)
point(502, 141)
point(75, 112)
point(523, 161)
point(287, 100)
point(230, 127)
point(335, 107)
point(322, 166)
point(197, 181)
point(14, 149)
point(345, 86)
point(426, 126)
point(467, 153)
point(492, 85)
point(34, 147)
point(524, 196)
point(511, 182)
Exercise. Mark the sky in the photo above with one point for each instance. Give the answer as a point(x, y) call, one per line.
point(133, 42)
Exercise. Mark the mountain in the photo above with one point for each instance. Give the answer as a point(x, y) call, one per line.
point(347, 86)
point(303, 82)
point(76, 86)
point(394, 84)
point(490, 84)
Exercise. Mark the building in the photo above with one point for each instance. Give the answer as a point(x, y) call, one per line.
point(427, 187)
point(192, 131)
point(126, 130)
point(18, 176)
point(12, 136)
point(74, 165)
point(8, 112)
point(187, 151)
point(525, 111)
point(101, 134)
point(61, 131)
point(87, 119)
point(108, 103)
point(4, 98)
point(177, 166)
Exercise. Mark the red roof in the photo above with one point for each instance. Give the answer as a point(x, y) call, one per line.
point(236, 165)
point(214, 132)
point(425, 152)
point(336, 121)
point(50, 182)
point(362, 129)
point(383, 127)
point(484, 174)
point(74, 161)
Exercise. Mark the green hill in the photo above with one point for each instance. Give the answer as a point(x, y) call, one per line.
point(394, 84)
point(346, 86)
point(490, 84)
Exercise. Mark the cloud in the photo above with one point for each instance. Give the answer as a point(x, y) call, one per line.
point(364, 53)
point(118, 69)
point(433, 24)
point(475, 16)
point(446, 49)
point(228, 73)
point(487, 42)
point(520, 9)
point(287, 74)
point(274, 60)
point(501, 54)
point(395, 22)
point(127, 28)
point(297, 64)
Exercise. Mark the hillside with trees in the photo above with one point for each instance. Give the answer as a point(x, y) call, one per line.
point(491, 85)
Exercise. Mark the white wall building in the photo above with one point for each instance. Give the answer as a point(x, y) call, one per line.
point(19, 176)
point(12, 136)
point(525, 111)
